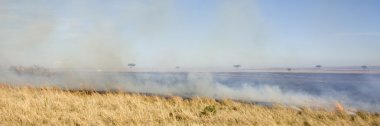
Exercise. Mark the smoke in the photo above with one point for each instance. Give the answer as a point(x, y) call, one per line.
point(217, 85)
point(98, 35)
point(210, 85)
point(84, 34)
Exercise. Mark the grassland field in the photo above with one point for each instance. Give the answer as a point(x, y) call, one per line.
point(54, 106)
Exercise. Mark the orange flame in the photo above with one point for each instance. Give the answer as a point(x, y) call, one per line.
point(339, 107)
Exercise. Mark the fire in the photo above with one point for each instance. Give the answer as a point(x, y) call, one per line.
point(339, 107)
point(3, 85)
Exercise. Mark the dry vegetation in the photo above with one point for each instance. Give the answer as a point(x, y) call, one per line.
point(30, 106)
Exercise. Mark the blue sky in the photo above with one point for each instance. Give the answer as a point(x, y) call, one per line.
point(197, 33)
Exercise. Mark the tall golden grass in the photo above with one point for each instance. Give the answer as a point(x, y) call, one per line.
point(52, 106)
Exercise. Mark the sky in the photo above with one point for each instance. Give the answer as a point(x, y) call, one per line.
point(196, 33)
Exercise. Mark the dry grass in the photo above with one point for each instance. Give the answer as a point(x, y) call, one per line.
point(28, 106)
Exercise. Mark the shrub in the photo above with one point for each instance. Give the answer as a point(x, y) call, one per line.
point(209, 110)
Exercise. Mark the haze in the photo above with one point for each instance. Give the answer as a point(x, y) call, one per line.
point(197, 33)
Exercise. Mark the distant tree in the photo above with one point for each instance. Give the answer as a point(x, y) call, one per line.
point(131, 65)
point(177, 67)
point(364, 67)
point(237, 66)
point(289, 69)
point(318, 66)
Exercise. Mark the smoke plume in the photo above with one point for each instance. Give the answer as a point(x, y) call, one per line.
point(72, 39)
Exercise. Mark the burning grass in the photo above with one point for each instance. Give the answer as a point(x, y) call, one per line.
point(53, 106)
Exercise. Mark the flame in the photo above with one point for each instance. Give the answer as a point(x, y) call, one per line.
point(3, 85)
point(339, 107)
